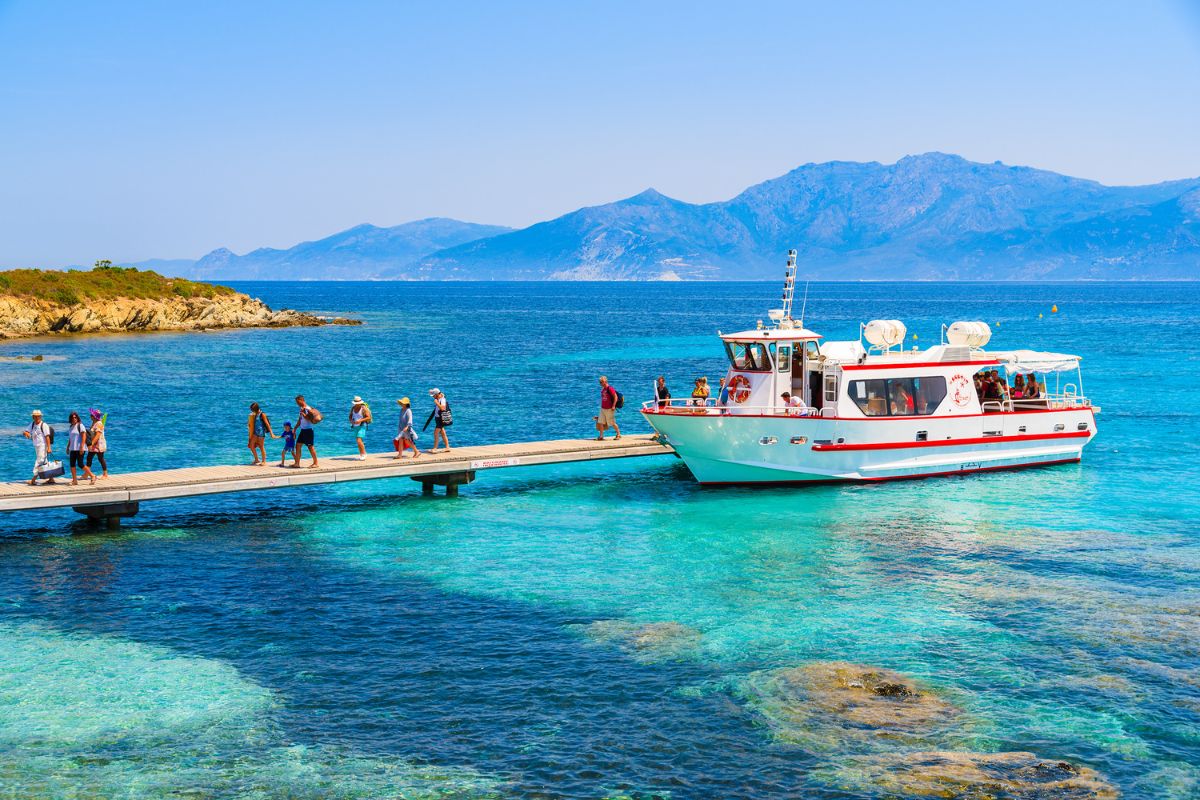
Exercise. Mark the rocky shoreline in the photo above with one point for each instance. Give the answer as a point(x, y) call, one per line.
point(26, 316)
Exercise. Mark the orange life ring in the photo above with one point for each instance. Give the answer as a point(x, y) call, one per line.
point(739, 388)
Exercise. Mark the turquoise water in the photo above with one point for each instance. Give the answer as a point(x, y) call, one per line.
point(364, 641)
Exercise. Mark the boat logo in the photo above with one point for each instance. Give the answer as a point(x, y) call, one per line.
point(960, 390)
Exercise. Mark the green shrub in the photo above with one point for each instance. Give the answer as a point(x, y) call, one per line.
point(65, 296)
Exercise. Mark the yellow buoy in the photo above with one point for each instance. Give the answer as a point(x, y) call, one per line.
point(1040, 316)
point(1054, 309)
point(914, 337)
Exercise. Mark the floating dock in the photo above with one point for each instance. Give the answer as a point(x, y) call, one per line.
point(119, 495)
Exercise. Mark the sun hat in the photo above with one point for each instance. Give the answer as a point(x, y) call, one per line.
point(404, 401)
point(434, 392)
point(95, 413)
point(36, 413)
point(357, 399)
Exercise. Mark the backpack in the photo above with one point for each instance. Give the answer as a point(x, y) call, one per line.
point(314, 416)
point(619, 401)
point(49, 433)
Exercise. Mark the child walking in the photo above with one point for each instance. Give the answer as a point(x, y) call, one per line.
point(289, 442)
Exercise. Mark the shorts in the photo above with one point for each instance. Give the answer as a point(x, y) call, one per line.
point(608, 416)
point(76, 458)
point(305, 436)
point(360, 431)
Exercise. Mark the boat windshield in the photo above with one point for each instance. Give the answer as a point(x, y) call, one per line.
point(748, 356)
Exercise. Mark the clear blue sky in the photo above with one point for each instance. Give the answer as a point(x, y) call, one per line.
point(166, 129)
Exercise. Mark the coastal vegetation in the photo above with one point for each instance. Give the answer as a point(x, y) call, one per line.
point(104, 281)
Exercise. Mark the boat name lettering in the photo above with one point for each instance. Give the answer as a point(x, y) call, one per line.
point(960, 390)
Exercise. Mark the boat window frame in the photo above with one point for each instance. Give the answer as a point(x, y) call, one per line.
point(747, 346)
point(913, 387)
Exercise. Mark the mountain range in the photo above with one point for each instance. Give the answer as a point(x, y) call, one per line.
point(931, 216)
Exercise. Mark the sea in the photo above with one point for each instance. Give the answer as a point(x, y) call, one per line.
point(607, 630)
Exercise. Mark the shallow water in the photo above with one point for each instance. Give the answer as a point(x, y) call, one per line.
point(364, 641)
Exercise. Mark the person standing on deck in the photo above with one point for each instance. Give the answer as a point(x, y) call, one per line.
point(305, 437)
point(360, 418)
point(662, 395)
point(76, 445)
point(608, 410)
point(97, 443)
point(441, 418)
point(722, 394)
point(406, 437)
point(259, 428)
point(39, 433)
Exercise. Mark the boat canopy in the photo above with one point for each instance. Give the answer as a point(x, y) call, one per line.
point(772, 335)
point(1034, 361)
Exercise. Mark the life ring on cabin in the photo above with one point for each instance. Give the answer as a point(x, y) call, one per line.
point(739, 388)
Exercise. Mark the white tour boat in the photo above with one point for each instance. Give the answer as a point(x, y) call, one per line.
point(874, 412)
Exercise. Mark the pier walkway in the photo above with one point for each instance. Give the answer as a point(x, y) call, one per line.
point(119, 495)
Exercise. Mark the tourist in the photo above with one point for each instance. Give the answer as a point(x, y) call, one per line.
point(902, 402)
point(722, 394)
point(305, 437)
point(662, 395)
point(791, 403)
point(700, 392)
point(97, 443)
point(608, 410)
point(1033, 389)
point(259, 428)
point(360, 418)
point(442, 419)
point(76, 447)
point(289, 442)
point(43, 443)
point(406, 437)
point(1018, 390)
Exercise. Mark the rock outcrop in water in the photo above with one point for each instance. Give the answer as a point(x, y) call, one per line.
point(833, 705)
point(27, 316)
point(971, 776)
point(650, 641)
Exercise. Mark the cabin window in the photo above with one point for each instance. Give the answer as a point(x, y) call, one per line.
point(748, 356)
point(830, 389)
point(813, 352)
point(899, 397)
point(784, 359)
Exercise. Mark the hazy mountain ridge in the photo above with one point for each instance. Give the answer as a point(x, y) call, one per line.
point(929, 216)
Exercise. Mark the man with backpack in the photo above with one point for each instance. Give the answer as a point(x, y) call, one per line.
point(42, 436)
point(610, 401)
point(309, 417)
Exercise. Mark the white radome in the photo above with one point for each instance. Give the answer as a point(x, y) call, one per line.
point(885, 332)
point(969, 334)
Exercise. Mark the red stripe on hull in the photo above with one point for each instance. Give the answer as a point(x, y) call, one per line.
point(949, 442)
point(827, 481)
point(889, 418)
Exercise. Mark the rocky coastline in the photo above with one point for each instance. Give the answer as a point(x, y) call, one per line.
point(22, 316)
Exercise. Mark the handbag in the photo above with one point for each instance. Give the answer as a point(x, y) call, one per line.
point(50, 469)
point(447, 417)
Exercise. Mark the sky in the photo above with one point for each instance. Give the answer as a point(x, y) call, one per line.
point(164, 130)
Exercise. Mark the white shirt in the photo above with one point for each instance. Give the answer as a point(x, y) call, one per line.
point(75, 437)
point(38, 431)
point(304, 423)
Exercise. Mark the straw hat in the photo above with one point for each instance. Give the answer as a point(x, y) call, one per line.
point(403, 401)
point(357, 400)
point(36, 413)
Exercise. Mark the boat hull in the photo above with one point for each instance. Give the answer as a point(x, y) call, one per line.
point(722, 449)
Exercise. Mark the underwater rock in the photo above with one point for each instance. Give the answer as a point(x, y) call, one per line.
point(833, 704)
point(970, 776)
point(650, 641)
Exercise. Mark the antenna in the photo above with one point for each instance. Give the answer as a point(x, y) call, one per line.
point(804, 304)
point(789, 285)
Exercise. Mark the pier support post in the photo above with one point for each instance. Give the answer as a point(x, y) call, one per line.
point(451, 480)
point(108, 513)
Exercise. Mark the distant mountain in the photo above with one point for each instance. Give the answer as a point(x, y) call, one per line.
point(931, 216)
point(364, 251)
point(924, 217)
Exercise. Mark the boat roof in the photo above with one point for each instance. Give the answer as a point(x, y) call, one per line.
point(852, 355)
point(1036, 361)
point(771, 335)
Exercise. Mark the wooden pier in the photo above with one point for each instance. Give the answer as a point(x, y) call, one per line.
point(119, 495)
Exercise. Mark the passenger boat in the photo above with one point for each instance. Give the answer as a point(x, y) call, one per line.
point(872, 410)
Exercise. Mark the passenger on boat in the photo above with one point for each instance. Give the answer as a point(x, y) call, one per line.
point(1032, 389)
point(662, 395)
point(902, 402)
point(700, 392)
point(792, 404)
point(722, 394)
point(1018, 389)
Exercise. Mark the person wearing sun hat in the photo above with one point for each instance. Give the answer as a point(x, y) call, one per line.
point(405, 435)
point(97, 443)
point(39, 433)
point(360, 418)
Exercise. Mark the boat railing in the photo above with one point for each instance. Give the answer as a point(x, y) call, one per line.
point(712, 407)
